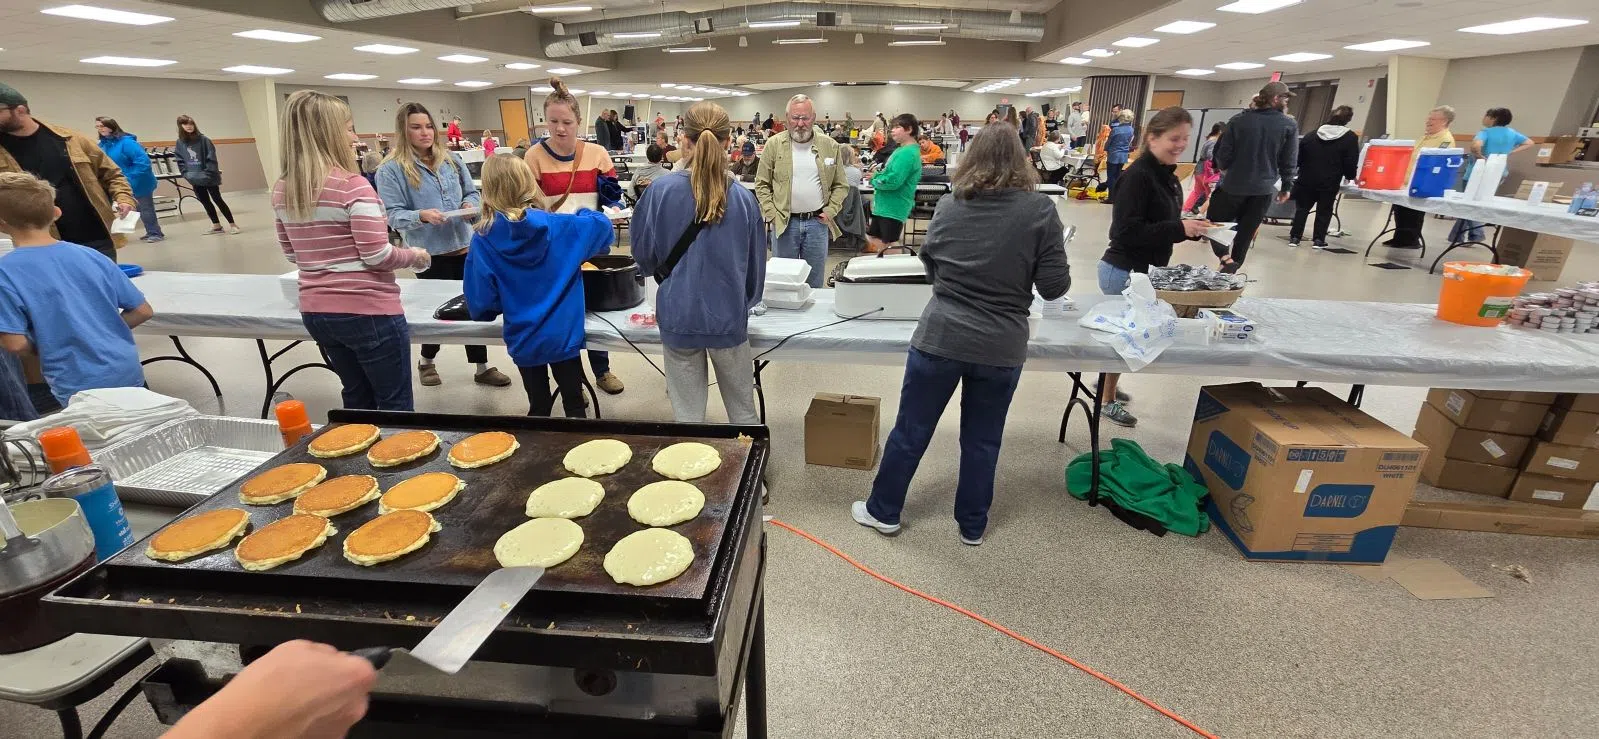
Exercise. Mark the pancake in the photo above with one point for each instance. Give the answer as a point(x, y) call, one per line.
point(542, 542)
point(424, 492)
point(281, 483)
point(663, 503)
point(198, 534)
point(339, 495)
point(568, 497)
point(345, 440)
point(687, 461)
point(482, 450)
point(406, 446)
point(283, 540)
point(598, 457)
point(389, 536)
point(649, 557)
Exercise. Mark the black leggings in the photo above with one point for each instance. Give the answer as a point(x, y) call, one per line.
point(209, 195)
point(1247, 211)
point(1323, 201)
point(451, 267)
point(568, 381)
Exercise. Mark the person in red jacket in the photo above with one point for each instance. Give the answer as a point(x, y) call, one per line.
point(453, 133)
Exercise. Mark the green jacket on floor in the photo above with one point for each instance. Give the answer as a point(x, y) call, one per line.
point(1128, 476)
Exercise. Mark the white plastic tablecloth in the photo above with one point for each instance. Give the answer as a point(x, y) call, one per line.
point(1316, 340)
point(1547, 218)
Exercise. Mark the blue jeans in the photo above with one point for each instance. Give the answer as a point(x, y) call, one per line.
point(147, 216)
point(985, 398)
point(1112, 279)
point(1113, 172)
point(600, 362)
point(370, 354)
point(806, 239)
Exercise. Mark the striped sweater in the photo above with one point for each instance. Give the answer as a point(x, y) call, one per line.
point(572, 181)
point(346, 261)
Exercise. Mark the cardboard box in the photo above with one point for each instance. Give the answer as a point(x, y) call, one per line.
point(1503, 519)
point(1519, 397)
point(1580, 402)
point(1553, 491)
point(1571, 428)
point(1298, 474)
point(1541, 254)
point(1469, 410)
point(1468, 477)
point(841, 430)
point(1559, 460)
point(1445, 439)
point(1563, 149)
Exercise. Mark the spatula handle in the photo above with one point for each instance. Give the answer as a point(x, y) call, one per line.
point(378, 656)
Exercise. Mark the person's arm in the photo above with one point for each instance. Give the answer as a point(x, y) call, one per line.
point(283, 239)
point(371, 234)
point(1288, 161)
point(330, 694)
point(763, 187)
point(111, 179)
point(1223, 153)
point(755, 271)
point(1051, 275)
point(645, 232)
point(898, 171)
point(15, 343)
point(1476, 146)
point(1130, 223)
point(136, 316)
point(470, 198)
point(208, 150)
point(1522, 143)
point(395, 194)
point(481, 287)
point(1351, 160)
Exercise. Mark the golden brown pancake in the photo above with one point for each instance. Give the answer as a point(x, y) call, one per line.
point(389, 536)
point(281, 483)
point(424, 492)
point(344, 440)
point(338, 495)
point(403, 447)
point(283, 540)
point(198, 534)
point(482, 450)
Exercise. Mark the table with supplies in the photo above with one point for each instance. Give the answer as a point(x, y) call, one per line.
point(1549, 219)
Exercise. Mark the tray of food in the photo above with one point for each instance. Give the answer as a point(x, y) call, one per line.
point(187, 460)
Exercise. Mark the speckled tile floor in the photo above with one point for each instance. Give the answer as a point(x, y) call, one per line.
point(1242, 649)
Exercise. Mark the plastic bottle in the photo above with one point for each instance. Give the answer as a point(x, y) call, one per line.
point(63, 450)
point(293, 422)
point(1580, 200)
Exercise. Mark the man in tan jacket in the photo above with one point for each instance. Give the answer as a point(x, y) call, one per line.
point(801, 186)
point(90, 188)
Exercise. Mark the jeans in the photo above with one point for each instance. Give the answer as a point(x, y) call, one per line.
point(152, 223)
point(1113, 172)
point(600, 362)
point(1247, 211)
point(370, 354)
point(15, 402)
point(1112, 279)
point(930, 380)
point(686, 383)
point(1323, 201)
point(805, 238)
point(211, 199)
point(450, 267)
point(568, 382)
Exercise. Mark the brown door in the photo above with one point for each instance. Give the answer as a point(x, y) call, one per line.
point(1165, 99)
point(513, 120)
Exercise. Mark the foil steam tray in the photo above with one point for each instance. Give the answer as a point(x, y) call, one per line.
point(188, 460)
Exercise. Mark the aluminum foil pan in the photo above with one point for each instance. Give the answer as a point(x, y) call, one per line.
point(185, 461)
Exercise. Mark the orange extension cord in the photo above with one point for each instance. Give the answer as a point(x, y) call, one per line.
point(1168, 713)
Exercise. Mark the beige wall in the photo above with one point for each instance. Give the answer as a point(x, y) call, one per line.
point(146, 108)
point(1355, 88)
point(374, 108)
point(1196, 93)
point(1414, 83)
point(1583, 96)
point(1534, 86)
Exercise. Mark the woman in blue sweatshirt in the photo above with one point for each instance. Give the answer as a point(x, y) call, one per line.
point(125, 150)
point(525, 263)
point(702, 308)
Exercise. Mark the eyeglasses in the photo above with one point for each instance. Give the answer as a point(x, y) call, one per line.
point(802, 118)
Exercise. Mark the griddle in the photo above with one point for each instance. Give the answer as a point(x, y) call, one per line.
point(576, 607)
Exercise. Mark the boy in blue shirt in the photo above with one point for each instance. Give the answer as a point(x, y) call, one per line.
point(66, 303)
point(1496, 137)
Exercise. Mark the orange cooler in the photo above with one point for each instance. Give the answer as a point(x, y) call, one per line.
point(1385, 164)
point(1477, 299)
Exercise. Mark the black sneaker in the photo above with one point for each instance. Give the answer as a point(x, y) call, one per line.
point(1293, 241)
point(1319, 244)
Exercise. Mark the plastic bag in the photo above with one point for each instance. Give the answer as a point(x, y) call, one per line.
point(1139, 327)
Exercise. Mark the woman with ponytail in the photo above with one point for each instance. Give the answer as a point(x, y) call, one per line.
point(701, 235)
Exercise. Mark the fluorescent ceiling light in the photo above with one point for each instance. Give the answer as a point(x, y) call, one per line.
point(824, 83)
point(1256, 6)
point(786, 41)
point(1239, 65)
point(921, 28)
point(552, 9)
point(547, 88)
point(127, 61)
point(639, 34)
point(419, 81)
point(463, 58)
point(1393, 44)
point(1301, 56)
point(601, 92)
point(918, 42)
point(91, 13)
point(1524, 25)
point(253, 69)
point(1099, 53)
point(1076, 60)
point(264, 34)
point(687, 49)
point(521, 66)
point(1196, 72)
point(1136, 42)
point(351, 76)
point(773, 24)
point(893, 82)
point(576, 91)
point(389, 49)
point(565, 70)
point(1185, 27)
point(481, 83)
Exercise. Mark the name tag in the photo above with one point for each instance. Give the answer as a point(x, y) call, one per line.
point(828, 161)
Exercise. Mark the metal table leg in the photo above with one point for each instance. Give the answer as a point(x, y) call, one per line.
point(274, 382)
point(71, 727)
point(183, 356)
point(1091, 403)
point(760, 392)
point(1492, 245)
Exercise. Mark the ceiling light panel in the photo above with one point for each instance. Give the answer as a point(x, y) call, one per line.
point(519, 66)
point(463, 58)
point(1240, 65)
point(1524, 25)
point(351, 76)
point(389, 49)
point(267, 34)
point(254, 69)
point(106, 15)
point(1101, 53)
point(1301, 56)
point(773, 24)
point(918, 42)
point(1135, 42)
point(1254, 7)
point(565, 70)
point(128, 61)
point(554, 9)
point(1184, 27)
point(481, 83)
point(1196, 72)
point(1076, 60)
point(420, 81)
point(1393, 44)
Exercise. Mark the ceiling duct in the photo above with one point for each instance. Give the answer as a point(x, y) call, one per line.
point(677, 27)
point(346, 11)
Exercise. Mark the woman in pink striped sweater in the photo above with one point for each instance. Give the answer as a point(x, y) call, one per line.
point(330, 223)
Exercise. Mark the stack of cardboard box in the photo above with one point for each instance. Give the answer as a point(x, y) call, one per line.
point(1531, 447)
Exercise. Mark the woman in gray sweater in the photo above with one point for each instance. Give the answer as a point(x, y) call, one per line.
point(991, 242)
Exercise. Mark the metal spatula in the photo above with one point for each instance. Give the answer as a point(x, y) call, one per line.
point(455, 639)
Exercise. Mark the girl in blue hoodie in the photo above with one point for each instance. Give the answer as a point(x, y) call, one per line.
point(125, 150)
point(525, 263)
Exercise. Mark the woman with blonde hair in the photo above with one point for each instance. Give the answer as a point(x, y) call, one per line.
point(525, 263)
point(575, 174)
point(330, 224)
point(701, 235)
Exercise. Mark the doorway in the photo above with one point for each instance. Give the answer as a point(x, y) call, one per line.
point(513, 120)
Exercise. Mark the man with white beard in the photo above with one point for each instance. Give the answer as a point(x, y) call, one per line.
point(801, 186)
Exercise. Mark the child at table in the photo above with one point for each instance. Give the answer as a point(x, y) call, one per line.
point(64, 302)
point(525, 262)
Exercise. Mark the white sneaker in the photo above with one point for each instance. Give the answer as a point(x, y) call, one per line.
point(857, 511)
point(972, 542)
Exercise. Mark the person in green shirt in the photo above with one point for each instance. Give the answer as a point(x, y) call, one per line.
point(894, 188)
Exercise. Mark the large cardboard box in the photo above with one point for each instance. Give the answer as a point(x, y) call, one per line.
point(1298, 474)
point(1469, 410)
point(1563, 149)
point(1519, 397)
point(1503, 518)
point(1559, 460)
point(1580, 402)
point(1470, 477)
point(1541, 254)
point(1554, 491)
point(1571, 428)
point(841, 430)
point(1445, 439)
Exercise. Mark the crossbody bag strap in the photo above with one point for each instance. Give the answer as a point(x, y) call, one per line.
point(678, 250)
point(577, 160)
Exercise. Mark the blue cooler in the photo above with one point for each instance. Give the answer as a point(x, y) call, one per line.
point(1436, 171)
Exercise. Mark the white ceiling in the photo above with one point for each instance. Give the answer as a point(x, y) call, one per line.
point(625, 8)
point(1326, 26)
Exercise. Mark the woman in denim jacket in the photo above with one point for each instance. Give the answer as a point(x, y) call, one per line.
point(420, 181)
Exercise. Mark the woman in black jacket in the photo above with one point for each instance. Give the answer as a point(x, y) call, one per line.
point(198, 157)
point(1327, 156)
point(1145, 221)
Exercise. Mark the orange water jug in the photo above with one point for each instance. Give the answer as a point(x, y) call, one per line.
point(1476, 294)
point(1385, 164)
